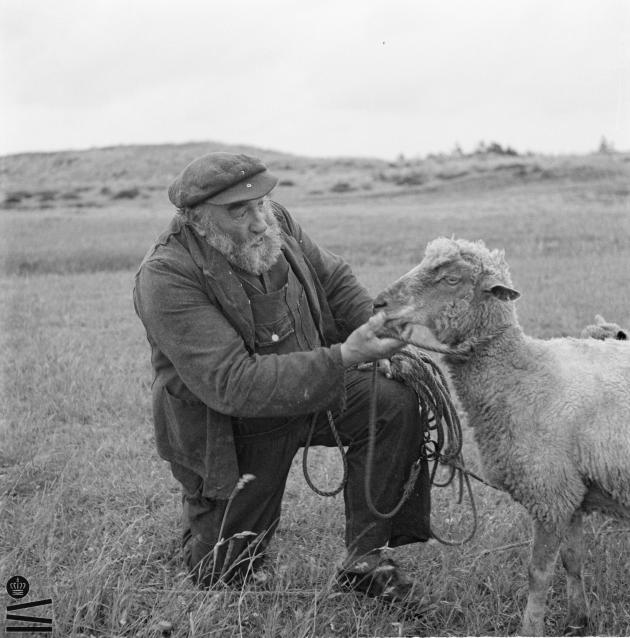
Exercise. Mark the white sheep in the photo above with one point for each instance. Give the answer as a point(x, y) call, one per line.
point(603, 329)
point(551, 417)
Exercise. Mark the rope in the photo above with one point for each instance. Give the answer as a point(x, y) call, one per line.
point(460, 352)
point(442, 434)
point(413, 474)
point(443, 439)
point(342, 452)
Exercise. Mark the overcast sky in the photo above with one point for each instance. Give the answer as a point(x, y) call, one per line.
point(316, 77)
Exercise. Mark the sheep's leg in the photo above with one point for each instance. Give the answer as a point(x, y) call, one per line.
point(544, 554)
point(572, 553)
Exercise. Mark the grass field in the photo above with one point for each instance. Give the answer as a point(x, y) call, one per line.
point(90, 514)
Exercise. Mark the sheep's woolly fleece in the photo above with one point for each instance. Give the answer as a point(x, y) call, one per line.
point(443, 250)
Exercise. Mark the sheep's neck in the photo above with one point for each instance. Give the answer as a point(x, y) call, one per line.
point(487, 365)
point(475, 346)
point(483, 383)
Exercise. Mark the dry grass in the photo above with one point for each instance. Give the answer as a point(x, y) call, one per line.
point(89, 514)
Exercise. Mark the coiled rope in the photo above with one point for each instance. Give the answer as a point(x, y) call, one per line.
point(441, 427)
point(442, 435)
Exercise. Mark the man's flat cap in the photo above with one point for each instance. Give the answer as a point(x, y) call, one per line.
point(221, 178)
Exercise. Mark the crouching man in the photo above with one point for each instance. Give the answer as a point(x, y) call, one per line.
point(255, 335)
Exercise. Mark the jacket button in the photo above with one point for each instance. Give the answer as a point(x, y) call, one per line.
point(275, 337)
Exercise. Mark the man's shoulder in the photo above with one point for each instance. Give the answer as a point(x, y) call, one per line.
point(284, 217)
point(169, 249)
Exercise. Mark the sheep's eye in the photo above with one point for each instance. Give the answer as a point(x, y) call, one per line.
point(452, 280)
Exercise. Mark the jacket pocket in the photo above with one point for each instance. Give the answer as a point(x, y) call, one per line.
point(186, 429)
point(272, 333)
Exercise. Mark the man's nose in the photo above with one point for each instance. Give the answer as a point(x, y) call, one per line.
point(258, 223)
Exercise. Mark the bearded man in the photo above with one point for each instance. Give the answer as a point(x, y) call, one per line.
point(255, 335)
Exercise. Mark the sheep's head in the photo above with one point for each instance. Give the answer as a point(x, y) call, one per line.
point(603, 330)
point(459, 290)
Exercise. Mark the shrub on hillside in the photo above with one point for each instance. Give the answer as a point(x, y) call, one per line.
point(453, 174)
point(403, 177)
point(493, 148)
point(605, 146)
point(70, 195)
point(13, 198)
point(127, 193)
point(46, 196)
point(410, 178)
point(342, 187)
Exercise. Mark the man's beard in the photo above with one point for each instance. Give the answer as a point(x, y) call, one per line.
point(249, 256)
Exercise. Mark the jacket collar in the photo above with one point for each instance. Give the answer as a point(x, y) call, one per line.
point(226, 285)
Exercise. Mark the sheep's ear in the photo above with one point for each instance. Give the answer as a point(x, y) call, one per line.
point(599, 320)
point(503, 292)
point(622, 336)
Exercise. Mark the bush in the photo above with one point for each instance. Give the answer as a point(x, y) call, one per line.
point(342, 187)
point(16, 197)
point(411, 178)
point(451, 174)
point(127, 193)
point(494, 149)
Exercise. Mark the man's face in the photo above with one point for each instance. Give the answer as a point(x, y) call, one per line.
point(244, 222)
point(247, 233)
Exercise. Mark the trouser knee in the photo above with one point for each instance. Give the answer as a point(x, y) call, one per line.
point(398, 404)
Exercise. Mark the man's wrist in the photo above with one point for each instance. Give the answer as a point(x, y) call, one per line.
point(348, 357)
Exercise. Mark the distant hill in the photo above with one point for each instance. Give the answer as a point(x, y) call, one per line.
point(146, 164)
point(88, 177)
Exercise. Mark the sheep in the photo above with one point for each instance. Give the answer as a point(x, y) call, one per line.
point(551, 418)
point(603, 329)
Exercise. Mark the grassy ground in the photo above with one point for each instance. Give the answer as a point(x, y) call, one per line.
point(89, 514)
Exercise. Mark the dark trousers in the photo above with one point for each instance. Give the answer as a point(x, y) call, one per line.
point(266, 447)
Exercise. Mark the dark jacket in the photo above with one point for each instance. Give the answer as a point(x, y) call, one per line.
point(201, 330)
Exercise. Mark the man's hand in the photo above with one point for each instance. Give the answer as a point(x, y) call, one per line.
point(363, 345)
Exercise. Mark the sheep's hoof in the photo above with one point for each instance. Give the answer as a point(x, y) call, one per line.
point(578, 627)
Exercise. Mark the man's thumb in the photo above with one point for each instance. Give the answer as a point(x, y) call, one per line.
point(377, 321)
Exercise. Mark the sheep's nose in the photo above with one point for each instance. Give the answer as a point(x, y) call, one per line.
point(379, 303)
